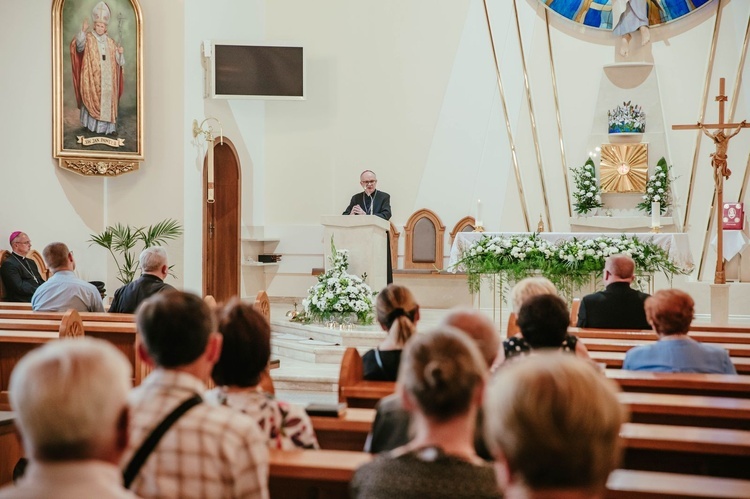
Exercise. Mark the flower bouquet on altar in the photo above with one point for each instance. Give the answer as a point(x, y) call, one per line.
point(626, 119)
point(586, 195)
point(338, 294)
point(658, 189)
point(569, 264)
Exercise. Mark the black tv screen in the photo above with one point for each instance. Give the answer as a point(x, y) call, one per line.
point(258, 71)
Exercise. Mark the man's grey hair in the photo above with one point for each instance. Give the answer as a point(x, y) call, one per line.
point(69, 396)
point(153, 258)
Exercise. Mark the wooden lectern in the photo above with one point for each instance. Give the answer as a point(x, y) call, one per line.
point(365, 238)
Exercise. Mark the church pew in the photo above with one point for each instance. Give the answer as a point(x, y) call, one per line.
point(19, 336)
point(357, 392)
point(614, 360)
point(687, 410)
point(646, 335)
point(85, 316)
point(326, 474)
point(633, 484)
point(686, 449)
point(9, 305)
point(720, 328)
point(10, 447)
point(315, 473)
point(647, 408)
point(623, 345)
point(710, 385)
point(654, 447)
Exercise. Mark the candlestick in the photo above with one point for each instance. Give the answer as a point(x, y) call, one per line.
point(478, 218)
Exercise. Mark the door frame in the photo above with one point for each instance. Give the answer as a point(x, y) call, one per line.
point(204, 223)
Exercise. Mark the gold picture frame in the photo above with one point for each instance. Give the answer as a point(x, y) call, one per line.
point(97, 70)
point(623, 168)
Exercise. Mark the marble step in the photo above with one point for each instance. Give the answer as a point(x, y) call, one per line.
point(305, 349)
point(358, 336)
point(295, 375)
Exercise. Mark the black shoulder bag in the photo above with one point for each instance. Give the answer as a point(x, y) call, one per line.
point(148, 445)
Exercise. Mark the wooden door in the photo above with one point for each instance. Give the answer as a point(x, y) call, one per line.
point(221, 225)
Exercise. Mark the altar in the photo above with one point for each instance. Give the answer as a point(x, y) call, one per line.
point(570, 260)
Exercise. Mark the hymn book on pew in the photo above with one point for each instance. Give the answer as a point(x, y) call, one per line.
point(326, 410)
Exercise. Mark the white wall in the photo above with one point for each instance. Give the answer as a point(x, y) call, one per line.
point(406, 88)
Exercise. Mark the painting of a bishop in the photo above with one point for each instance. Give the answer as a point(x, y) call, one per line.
point(97, 62)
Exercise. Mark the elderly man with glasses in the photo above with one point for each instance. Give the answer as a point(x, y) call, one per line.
point(371, 201)
point(20, 274)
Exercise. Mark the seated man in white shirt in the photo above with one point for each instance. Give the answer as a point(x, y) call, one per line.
point(64, 290)
point(210, 451)
point(70, 403)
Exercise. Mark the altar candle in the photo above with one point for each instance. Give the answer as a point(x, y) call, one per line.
point(656, 214)
point(478, 218)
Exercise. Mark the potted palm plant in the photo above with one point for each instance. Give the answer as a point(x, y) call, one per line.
point(122, 240)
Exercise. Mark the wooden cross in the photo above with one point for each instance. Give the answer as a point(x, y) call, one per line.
point(721, 171)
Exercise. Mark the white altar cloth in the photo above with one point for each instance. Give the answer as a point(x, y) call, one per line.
point(735, 242)
point(677, 244)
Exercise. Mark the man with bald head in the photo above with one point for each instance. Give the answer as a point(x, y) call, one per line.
point(619, 306)
point(20, 274)
point(391, 426)
point(371, 201)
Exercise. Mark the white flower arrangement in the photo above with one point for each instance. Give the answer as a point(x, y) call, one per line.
point(627, 119)
point(587, 194)
point(569, 264)
point(658, 188)
point(338, 293)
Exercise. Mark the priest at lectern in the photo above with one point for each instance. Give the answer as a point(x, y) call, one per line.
point(371, 201)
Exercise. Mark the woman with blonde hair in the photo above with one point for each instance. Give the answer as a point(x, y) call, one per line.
point(441, 381)
point(528, 287)
point(552, 422)
point(397, 313)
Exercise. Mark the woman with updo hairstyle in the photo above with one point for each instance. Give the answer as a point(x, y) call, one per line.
point(670, 312)
point(441, 380)
point(244, 358)
point(543, 320)
point(397, 313)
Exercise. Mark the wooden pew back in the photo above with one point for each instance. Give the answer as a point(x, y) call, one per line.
point(324, 473)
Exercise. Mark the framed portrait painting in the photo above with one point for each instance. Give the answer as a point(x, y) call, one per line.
point(98, 86)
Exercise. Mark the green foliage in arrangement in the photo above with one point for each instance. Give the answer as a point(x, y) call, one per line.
point(658, 188)
point(569, 264)
point(586, 194)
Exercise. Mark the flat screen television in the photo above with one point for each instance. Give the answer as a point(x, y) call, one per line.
point(244, 71)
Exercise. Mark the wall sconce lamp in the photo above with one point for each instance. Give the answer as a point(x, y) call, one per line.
point(208, 134)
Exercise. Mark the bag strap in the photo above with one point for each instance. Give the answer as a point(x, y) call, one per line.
point(148, 445)
point(379, 360)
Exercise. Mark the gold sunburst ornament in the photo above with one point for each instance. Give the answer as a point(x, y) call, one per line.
point(624, 167)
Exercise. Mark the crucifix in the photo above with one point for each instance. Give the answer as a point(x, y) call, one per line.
point(721, 171)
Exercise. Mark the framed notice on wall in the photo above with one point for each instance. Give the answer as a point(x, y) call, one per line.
point(97, 70)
